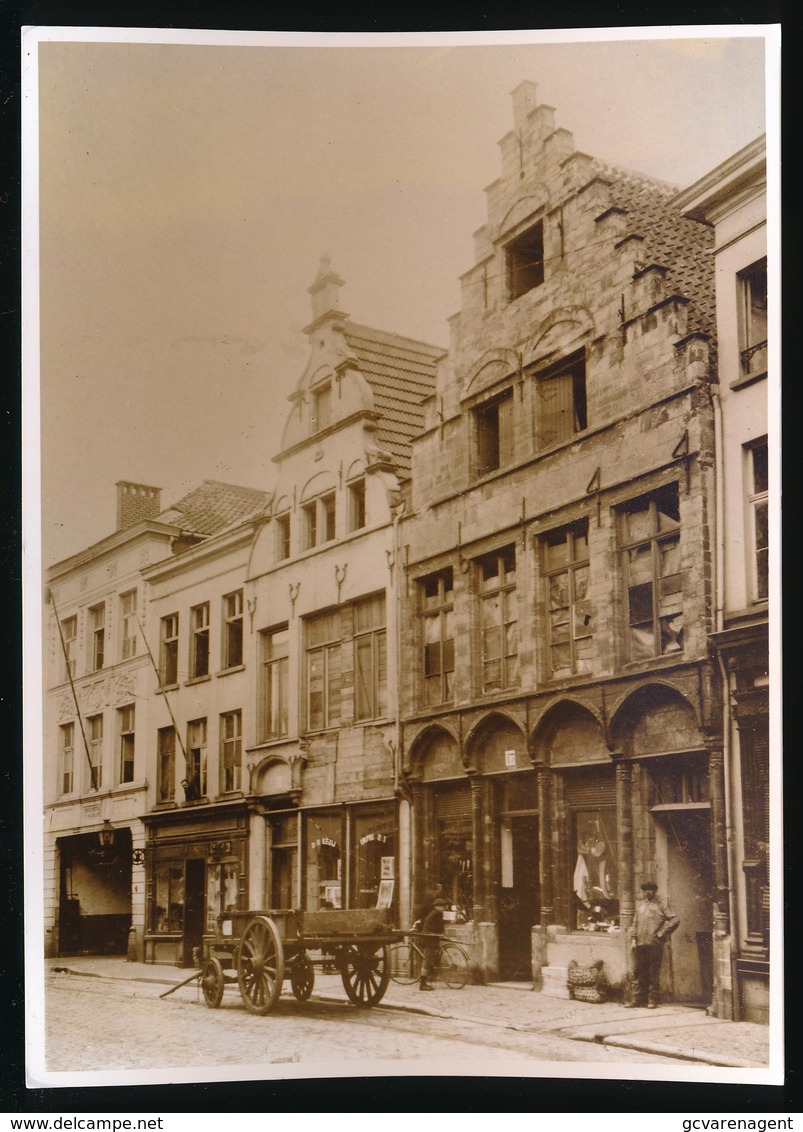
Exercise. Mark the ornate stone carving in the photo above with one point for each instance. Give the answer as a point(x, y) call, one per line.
point(95, 695)
point(124, 687)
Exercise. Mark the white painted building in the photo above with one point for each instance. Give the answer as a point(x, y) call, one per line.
point(733, 198)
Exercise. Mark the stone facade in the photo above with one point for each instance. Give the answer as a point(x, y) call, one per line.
point(559, 708)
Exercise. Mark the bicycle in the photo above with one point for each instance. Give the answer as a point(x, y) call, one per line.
point(453, 967)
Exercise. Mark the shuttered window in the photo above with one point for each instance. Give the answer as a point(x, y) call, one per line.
point(493, 424)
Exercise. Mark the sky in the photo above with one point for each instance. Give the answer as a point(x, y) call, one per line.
point(187, 192)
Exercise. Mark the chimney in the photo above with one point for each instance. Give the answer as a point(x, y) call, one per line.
point(135, 502)
point(325, 293)
point(524, 101)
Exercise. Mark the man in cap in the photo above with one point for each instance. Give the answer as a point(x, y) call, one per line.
point(653, 923)
point(432, 924)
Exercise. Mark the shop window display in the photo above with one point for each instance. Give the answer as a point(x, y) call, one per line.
point(373, 857)
point(168, 907)
point(594, 881)
point(221, 891)
point(324, 861)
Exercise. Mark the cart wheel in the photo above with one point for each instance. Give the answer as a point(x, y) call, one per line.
point(405, 963)
point(302, 977)
point(453, 966)
point(365, 970)
point(212, 982)
point(260, 965)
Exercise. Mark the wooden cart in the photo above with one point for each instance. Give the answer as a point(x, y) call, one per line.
point(257, 949)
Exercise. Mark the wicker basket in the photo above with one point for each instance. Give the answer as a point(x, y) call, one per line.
point(587, 984)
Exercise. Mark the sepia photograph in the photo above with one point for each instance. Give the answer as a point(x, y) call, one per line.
point(401, 459)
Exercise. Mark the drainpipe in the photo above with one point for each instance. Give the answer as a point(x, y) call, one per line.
point(400, 790)
point(719, 621)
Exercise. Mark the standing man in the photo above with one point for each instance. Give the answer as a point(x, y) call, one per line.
point(653, 923)
point(432, 924)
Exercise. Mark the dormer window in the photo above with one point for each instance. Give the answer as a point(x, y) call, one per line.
point(321, 410)
point(524, 261)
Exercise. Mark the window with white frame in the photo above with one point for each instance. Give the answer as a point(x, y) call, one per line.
point(493, 434)
point(357, 505)
point(496, 586)
point(318, 519)
point(324, 663)
point(758, 493)
point(274, 648)
point(309, 521)
point(94, 727)
point(97, 636)
point(524, 261)
point(282, 536)
point(321, 408)
point(199, 641)
point(126, 721)
point(69, 635)
point(650, 529)
point(566, 570)
point(560, 401)
point(233, 629)
point(370, 659)
point(67, 757)
point(436, 605)
point(168, 658)
point(166, 766)
point(128, 624)
point(231, 751)
point(196, 759)
point(752, 285)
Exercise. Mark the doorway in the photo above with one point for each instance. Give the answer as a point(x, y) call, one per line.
point(684, 835)
point(519, 896)
point(194, 908)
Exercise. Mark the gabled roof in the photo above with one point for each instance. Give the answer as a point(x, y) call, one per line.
point(401, 372)
point(214, 506)
point(670, 239)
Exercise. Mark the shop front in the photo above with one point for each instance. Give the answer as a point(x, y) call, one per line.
point(646, 810)
point(332, 856)
point(197, 868)
point(476, 838)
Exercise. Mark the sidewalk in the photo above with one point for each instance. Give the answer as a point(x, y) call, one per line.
point(672, 1031)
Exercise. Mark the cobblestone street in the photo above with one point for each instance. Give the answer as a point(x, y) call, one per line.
point(104, 1024)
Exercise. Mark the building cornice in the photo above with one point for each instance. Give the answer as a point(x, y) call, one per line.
point(111, 544)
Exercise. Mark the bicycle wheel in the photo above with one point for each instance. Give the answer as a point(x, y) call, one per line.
point(405, 963)
point(454, 967)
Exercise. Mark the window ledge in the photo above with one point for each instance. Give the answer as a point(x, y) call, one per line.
point(649, 662)
point(228, 671)
point(196, 680)
point(748, 379)
point(166, 688)
point(277, 742)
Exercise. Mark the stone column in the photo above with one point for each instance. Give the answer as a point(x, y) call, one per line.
point(545, 845)
point(419, 830)
point(716, 776)
point(490, 839)
point(624, 849)
point(478, 850)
